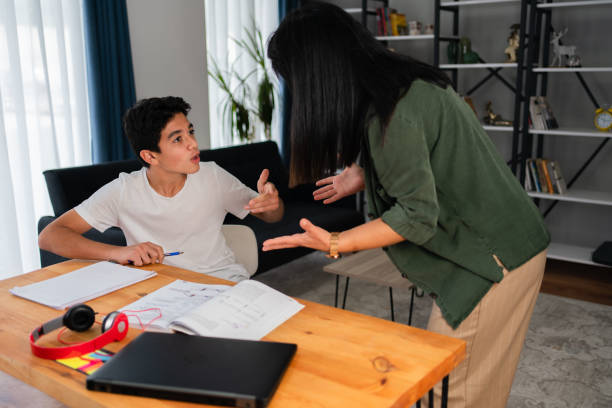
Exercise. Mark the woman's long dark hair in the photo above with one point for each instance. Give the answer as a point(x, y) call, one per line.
point(336, 71)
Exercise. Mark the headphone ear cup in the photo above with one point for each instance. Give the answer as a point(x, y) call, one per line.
point(109, 321)
point(79, 318)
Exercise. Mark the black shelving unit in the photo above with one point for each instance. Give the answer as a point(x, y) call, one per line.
point(493, 70)
point(537, 71)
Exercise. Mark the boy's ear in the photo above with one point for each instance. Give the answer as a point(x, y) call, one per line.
point(148, 156)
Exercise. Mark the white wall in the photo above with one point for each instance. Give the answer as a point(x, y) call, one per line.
point(168, 40)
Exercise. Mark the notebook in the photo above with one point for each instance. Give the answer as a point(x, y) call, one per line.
point(82, 284)
point(210, 370)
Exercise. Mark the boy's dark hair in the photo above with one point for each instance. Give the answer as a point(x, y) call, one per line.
point(336, 71)
point(144, 121)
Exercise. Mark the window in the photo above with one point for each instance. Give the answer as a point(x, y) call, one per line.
point(44, 119)
point(227, 20)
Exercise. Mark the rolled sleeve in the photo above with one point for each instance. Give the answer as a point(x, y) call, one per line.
point(407, 182)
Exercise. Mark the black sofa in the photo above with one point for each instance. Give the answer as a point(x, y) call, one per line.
point(68, 187)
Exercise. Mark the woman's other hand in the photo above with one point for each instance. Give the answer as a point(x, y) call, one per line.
point(313, 237)
point(350, 181)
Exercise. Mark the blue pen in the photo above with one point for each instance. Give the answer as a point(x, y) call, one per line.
point(173, 253)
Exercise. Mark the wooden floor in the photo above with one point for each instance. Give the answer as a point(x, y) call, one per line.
point(578, 281)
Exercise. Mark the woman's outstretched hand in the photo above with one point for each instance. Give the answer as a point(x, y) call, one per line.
point(313, 237)
point(350, 181)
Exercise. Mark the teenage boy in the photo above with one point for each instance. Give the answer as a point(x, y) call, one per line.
point(174, 203)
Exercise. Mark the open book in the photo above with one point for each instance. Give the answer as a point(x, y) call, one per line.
point(249, 310)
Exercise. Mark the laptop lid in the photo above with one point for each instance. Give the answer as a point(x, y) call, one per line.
point(241, 373)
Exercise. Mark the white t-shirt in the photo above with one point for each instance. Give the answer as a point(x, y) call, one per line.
point(190, 221)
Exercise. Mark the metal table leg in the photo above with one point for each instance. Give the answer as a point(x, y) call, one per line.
point(336, 296)
point(444, 401)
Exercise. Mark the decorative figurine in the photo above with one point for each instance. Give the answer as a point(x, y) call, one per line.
point(414, 28)
point(466, 55)
point(560, 51)
point(513, 43)
point(494, 119)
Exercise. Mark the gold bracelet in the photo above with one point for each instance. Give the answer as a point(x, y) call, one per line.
point(333, 245)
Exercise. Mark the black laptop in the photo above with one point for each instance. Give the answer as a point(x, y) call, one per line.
point(240, 373)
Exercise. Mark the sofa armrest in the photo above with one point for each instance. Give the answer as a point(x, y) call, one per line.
point(113, 236)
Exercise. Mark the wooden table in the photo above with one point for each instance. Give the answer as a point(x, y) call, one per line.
point(344, 359)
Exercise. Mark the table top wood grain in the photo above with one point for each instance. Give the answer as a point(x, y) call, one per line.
point(343, 358)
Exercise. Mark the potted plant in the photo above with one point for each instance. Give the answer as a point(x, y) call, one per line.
point(238, 107)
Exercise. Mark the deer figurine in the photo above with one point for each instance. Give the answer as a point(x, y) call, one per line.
point(560, 51)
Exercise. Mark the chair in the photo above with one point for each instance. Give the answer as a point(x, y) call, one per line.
point(241, 240)
point(371, 265)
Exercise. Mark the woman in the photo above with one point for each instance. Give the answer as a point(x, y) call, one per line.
point(444, 205)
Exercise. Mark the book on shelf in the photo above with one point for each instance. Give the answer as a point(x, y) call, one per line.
point(528, 183)
point(548, 167)
point(549, 117)
point(549, 185)
point(544, 176)
point(248, 310)
point(541, 176)
point(541, 115)
point(558, 179)
point(384, 21)
point(534, 175)
point(535, 114)
point(398, 24)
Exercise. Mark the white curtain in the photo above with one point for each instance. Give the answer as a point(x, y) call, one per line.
point(227, 20)
point(43, 116)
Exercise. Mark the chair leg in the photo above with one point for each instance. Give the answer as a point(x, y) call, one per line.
point(391, 301)
point(336, 295)
point(345, 292)
point(412, 290)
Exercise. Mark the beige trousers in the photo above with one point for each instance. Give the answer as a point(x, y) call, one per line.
point(494, 332)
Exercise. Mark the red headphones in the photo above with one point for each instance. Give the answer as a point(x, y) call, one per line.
point(80, 318)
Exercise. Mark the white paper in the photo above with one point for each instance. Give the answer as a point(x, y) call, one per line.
point(158, 309)
point(249, 310)
point(82, 284)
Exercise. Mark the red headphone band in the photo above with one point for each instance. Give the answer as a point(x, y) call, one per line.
point(117, 331)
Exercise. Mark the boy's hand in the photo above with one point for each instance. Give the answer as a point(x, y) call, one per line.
point(267, 200)
point(140, 254)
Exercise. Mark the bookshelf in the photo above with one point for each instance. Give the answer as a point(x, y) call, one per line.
point(492, 70)
point(534, 141)
point(516, 82)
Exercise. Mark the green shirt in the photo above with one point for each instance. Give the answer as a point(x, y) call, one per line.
point(436, 178)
